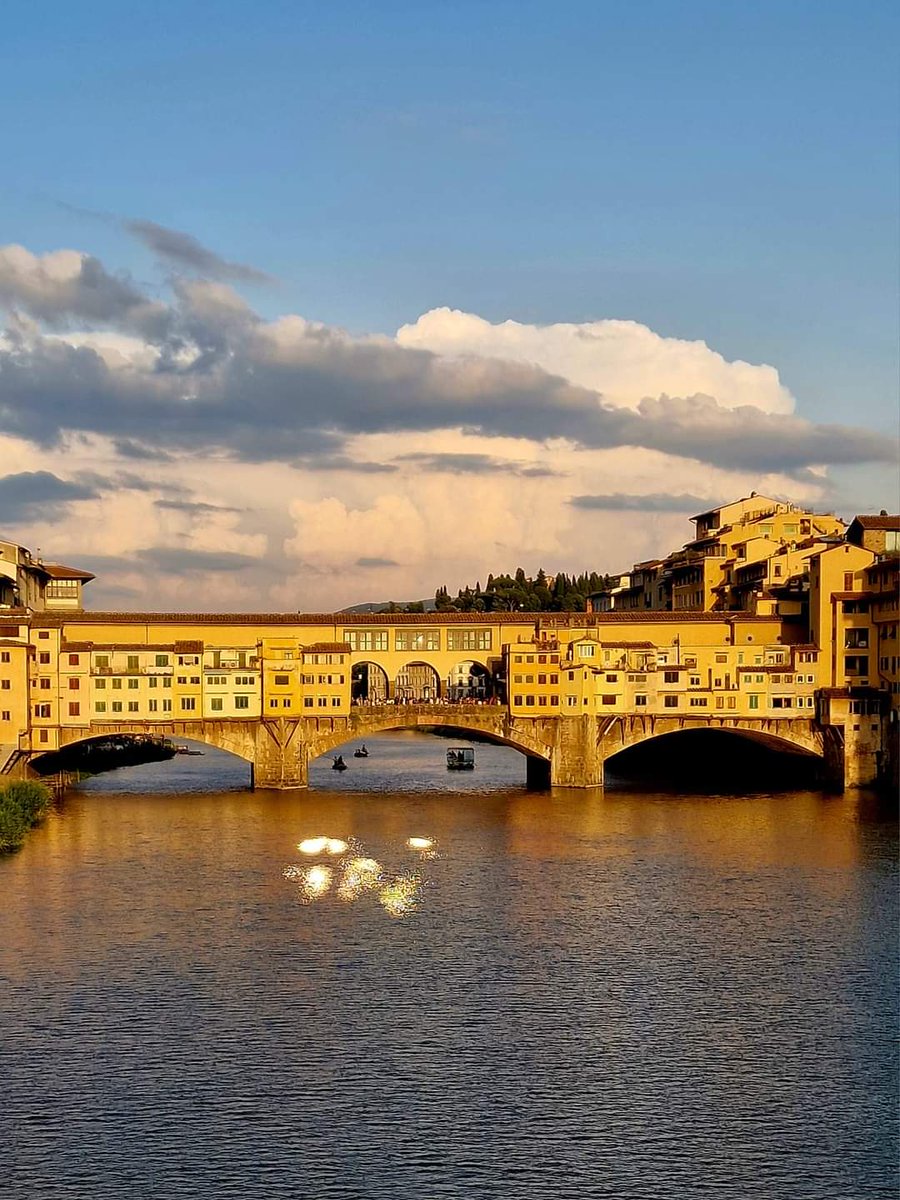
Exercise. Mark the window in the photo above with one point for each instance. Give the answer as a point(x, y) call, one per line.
point(215, 704)
point(282, 680)
point(42, 710)
point(242, 702)
point(612, 679)
point(182, 678)
point(607, 699)
point(417, 639)
point(188, 703)
point(754, 701)
point(73, 660)
point(670, 676)
point(856, 639)
point(553, 679)
point(167, 705)
point(554, 701)
point(670, 701)
point(307, 702)
point(335, 702)
point(100, 684)
point(44, 656)
point(75, 710)
point(100, 706)
point(694, 681)
point(721, 658)
point(586, 650)
point(153, 681)
point(698, 702)
point(468, 639)
point(640, 701)
point(101, 660)
point(571, 701)
point(366, 639)
point(154, 705)
point(117, 706)
point(848, 581)
point(782, 702)
point(167, 681)
point(132, 662)
point(4, 684)
point(161, 660)
point(133, 685)
point(856, 664)
point(45, 684)
point(4, 656)
point(132, 706)
point(43, 634)
point(322, 702)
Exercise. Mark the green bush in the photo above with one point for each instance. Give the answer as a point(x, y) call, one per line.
point(22, 805)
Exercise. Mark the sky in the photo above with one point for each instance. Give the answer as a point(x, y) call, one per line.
point(308, 305)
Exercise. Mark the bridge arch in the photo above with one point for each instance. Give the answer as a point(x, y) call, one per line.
point(487, 722)
point(417, 680)
point(469, 680)
point(235, 737)
point(369, 682)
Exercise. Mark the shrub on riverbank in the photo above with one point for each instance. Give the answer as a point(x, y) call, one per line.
point(22, 805)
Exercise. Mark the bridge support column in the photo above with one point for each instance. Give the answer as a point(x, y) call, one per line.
point(577, 760)
point(281, 759)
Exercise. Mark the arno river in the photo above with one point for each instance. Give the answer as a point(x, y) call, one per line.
point(570, 995)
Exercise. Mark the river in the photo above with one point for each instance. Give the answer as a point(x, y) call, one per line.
point(627, 995)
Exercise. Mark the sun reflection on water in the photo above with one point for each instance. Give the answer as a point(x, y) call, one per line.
point(399, 893)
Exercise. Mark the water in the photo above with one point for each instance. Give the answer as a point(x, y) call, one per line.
point(633, 995)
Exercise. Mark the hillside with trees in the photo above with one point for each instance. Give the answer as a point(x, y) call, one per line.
point(520, 593)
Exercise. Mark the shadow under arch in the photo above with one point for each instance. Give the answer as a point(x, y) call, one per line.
point(417, 680)
point(716, 759)
point(469, 679)
point(234, 737)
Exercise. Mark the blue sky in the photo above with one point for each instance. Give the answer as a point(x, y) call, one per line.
point(715, 171)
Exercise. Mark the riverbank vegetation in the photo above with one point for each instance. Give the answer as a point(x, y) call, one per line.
point(22, 805)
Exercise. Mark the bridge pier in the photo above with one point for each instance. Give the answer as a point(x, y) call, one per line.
point(576, 759)
point(281, 758)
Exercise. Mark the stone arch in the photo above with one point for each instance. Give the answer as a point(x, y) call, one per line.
point(235, 737)
point(369, 683)
point(792, 737)
point(469, 679)
point(493, 725)
point(417, 680)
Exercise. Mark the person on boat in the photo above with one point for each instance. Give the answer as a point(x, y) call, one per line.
point(363, 751)
point(339, 763)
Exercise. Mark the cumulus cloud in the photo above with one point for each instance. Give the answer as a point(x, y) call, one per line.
point(66, 286)
point(30, 494)
point(184, 251)
point(288, 463)
point(622, 360)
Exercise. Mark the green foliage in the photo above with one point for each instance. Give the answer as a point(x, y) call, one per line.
point(22, 805)
point(519, 593)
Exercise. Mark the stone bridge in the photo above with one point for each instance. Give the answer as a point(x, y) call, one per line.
point(560, 751)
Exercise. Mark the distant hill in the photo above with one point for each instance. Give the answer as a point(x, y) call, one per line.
point(390, 606)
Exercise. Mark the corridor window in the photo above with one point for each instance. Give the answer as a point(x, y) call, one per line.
point(366, 639)
point(468, 639)
point(242, 702)
point(417, 639)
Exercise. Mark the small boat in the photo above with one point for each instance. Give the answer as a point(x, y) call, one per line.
point(186, 750)
point(461, 758)
point(338, 764)
point(362, 752)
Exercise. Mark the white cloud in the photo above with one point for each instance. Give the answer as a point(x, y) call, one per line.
point(622, 360)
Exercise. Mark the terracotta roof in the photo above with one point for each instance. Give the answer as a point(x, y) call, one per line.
point(851, 595)
point(879, 522)
point(53, 620)
point(190, 647)
point(58, 571)
point(629, 645)
point(327, 648)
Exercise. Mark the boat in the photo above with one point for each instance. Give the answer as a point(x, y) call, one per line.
point(461, 758)
point(186, 750)
point(338, 763)
point(362, 752)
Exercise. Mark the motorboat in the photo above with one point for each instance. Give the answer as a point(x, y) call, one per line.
point(362, 752)
point(338, 763)
point(461, 758)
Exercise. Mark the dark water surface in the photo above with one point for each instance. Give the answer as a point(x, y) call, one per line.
point(620, 995)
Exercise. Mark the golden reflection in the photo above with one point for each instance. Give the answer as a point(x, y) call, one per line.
point(402, 895)
point(316, 881)
point(322, 845)
point(420, 843)
point(359, 875)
